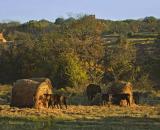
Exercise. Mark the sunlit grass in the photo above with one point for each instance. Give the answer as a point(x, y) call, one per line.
point(80, 112)
point(84, 117)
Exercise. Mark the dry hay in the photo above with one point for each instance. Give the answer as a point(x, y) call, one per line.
point(29, 92)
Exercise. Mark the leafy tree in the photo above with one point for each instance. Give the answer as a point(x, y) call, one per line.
point(59, 21)
point(150, 19)
point(70, 71)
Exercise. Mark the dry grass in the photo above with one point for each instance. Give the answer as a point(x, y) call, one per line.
point(81, 117)
point(81, 112)
point(142, 117)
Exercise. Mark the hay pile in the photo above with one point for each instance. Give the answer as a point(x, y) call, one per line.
point(28, 92)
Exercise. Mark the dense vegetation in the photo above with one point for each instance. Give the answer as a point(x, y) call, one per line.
point(76, 51)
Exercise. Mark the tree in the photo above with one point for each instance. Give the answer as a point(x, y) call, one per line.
point(120, 58)
point(150, 20)
point(59, 21)
point(69, 71)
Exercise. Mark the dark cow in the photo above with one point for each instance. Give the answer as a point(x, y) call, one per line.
point(116, 98)
point(47, 99)
point(57, 100)
point(106, 98)
point(136, 97)
point(92, 90)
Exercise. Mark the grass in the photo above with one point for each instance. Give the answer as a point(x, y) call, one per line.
point(82, 117)
point(141, 40)
point(142, 117)
point(5, 93)
point(4, 90)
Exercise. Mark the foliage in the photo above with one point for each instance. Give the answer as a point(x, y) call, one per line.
point(70, 71)
point(74, 51)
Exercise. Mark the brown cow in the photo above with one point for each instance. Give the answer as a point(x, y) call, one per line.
point(57, 100)
point(106, 98)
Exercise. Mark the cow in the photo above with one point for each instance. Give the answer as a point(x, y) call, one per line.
point(57, 100)
point(47, 99)
point(116, 98)
point(136, 97)
point(92, 90)
point(106, 98)
point(139, 97)
point(40, 102)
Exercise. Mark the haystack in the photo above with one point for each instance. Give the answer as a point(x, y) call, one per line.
point(28, 92)
point(120, 87)
point(2, 39)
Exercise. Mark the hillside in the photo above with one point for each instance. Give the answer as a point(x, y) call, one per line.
point(82, 50)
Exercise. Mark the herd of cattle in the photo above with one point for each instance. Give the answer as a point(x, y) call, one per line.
point(51, 100)
point(92, 90)
point(57, 100)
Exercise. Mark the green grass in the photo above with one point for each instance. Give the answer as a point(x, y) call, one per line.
point(5, 89)
point(141, 40)
point(5, 93)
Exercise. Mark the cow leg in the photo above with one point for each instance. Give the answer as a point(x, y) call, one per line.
point(65, 103)
point(91, 98)
point(47, 105)
point(51, 105)
point(103, 103)
point(60, 105)
point(128, 102)
point(55, 104)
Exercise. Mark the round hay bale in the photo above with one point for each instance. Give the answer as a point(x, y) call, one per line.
point(120, 87)
point(27, 92)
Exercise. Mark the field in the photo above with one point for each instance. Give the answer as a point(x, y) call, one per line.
point(82, 117)
point(74, 52)
point(139, 117)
